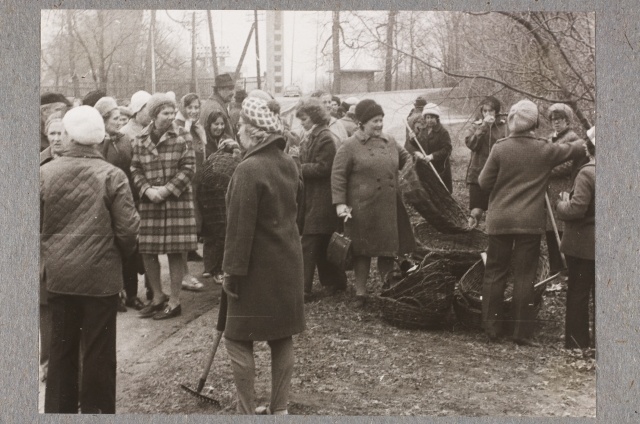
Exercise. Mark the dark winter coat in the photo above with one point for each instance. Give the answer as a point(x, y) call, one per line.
point(365, 177)
point(438, 144)
point(262, 247)
point(89, 222)
point(579, 215)
point(212, 188)
point(316, 160)
point(516, 176)
point(480, 138)
point(169, 226)
point(562, 175)
point(118, 150)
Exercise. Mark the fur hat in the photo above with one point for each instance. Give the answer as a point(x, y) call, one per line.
point(157, 101)
point(48, 98)
point(562, 109)
point(84, 125)
point(138, 100)
point(420, 102)
point(522, 117)
point(224, 81)
point(92, 97)
point(591, 133)
point(256, 112)
point(105, 105)
point(431, 109)
point(367, 109)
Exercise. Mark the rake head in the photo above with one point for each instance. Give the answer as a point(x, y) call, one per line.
point(200, 396)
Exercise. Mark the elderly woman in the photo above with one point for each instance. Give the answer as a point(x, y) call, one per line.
point(480, 138)
point(435, 142)
point(561, 117)
point(116, 149)
point(263, 257)
point(577, 209)
point(319, 219)
point(162, 166)
point(53, 129)
point(364, 185)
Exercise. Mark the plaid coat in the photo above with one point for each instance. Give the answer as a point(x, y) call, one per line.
point(169, 226)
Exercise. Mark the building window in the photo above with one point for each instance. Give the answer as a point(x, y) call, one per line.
point(278, 79)
point(277, 68)
point(277, 58)
point(277, 37)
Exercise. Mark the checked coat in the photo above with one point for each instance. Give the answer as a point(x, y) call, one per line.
point(169, 226)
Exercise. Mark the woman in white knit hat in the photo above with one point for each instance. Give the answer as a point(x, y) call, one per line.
point(578, 210)
point(140, 115)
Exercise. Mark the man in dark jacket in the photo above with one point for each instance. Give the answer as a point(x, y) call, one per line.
point(223, 92)
point(89, 222)
point(516, 175)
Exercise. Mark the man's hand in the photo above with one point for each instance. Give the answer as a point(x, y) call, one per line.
point(420, 156)
point(344, 211)
point(476, 214)
point(230, 286)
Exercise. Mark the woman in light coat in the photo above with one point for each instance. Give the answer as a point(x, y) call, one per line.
point(364, 185)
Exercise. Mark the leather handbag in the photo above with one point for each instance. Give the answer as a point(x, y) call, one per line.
point(339, 251)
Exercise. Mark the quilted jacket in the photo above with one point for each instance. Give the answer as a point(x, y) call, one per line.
point(89, 222)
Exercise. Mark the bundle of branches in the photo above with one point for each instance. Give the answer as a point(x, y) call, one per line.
point(468, 293)
point(421, 188)
point(422, 299)
point(461, 249)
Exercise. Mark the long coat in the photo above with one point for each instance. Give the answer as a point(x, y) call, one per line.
point(316, 160)
point(117, 150)
point(562, 175)
point(480, 138)
point(89, 222)
point(579, 213)
point(262, 247)
point(365, 177)
point(169, 226)
point(436, 143)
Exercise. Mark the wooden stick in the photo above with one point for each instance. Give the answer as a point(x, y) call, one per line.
point(425, 154)
point(555, 228)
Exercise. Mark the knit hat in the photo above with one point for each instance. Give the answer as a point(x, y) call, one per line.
point(48, 98)
point(84, 125)
point(92, 97)
point(367, 109)
point(224, 81)
point(105, 105)
point(172, 95)
point(351, 101)
point(138, 100)
point(420, 102)
point(124, 110)
point(157, 101)
point(431, 109)
point(256, 112)
point(522, 117)
point(563, 109)
point(591, 133)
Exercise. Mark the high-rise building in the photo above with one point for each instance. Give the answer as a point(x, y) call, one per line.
point(275, 52)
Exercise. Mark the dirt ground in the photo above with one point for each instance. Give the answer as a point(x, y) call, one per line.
point(352, 362)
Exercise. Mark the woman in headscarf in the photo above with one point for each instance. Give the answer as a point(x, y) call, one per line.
point(117, 150)
point(162, 166)
point(577, 209)
point(53, 129)
point(263, 257)
point(480, 138)
point(364, 185)
point(187, 118)
point(561, 117)
point(435, 142)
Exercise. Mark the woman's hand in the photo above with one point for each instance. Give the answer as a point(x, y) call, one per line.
point(564, 196)
point(344, 211)
point(420, 156)
point(153, 195)
point(230, 286)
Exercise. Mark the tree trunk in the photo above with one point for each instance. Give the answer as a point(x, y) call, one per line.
point(388, 62)
point(335, 38)
point(214, 56)
point(102, 70)
point(413, 50)
point(194, 76)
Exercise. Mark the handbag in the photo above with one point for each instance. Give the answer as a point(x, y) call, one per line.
point(339, 251)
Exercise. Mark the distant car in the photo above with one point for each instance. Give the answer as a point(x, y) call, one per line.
point(292, 91)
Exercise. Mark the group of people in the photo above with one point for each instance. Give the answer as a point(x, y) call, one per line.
point(117, 192)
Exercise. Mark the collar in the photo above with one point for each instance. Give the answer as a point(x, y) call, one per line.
point(561, 133)
point(145, 136)
point(315, 130)
point(272, 139)
point(75, 150)
point(363, 138)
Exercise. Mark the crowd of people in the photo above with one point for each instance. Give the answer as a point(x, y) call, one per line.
point(121, 185)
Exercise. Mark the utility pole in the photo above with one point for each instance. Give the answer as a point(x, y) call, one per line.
point(244, 51)
point(72, 55)
point(214, 57)
point(152, 41)
point(194, 75)
point(388, 62)
point(335, 39)
point(255, 16)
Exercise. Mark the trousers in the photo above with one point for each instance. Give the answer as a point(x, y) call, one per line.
point(89, 322)
point(244, 370)
point(314, 254)
point(523, 251)
point(581, 284)
point(213, 236)
point(45, 334)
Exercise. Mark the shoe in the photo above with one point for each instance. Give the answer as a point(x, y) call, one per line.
point(122, 307)
point(192, 284)
point(526, 342)
point(309, 297)
point(263, 410)
point(168, 312)
point(193, 256)
point(218, 279)
point(135, 303)
point(151, 309)
point(361, 300)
